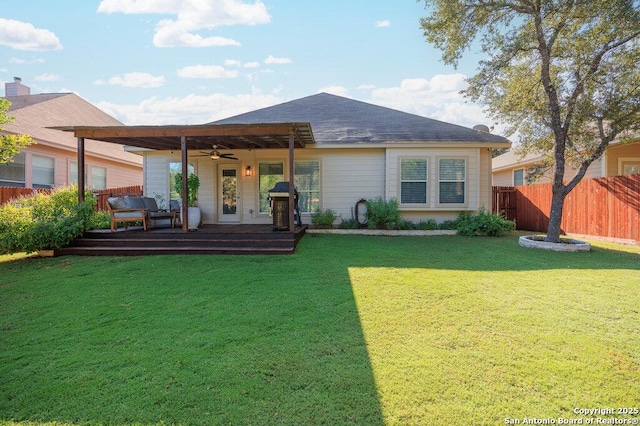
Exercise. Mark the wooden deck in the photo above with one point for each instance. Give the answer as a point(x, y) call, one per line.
point(208, 239)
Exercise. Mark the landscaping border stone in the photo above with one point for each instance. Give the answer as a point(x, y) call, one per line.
point(566, 244)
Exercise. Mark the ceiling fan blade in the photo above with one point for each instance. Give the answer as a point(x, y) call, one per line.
point(228, 156)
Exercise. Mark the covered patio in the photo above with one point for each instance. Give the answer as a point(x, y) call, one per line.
point(210, 238)
point(186, 138)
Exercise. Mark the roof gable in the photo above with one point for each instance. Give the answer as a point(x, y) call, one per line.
point(36, 114)
point(23, 101)
point(336, 119)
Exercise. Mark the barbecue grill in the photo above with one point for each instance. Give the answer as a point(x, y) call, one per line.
point(279, 199)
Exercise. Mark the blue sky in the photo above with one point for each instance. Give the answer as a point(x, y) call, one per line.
point(194, 61)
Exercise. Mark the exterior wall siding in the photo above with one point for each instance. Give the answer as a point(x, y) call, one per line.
point(118, 174)
point(346, 176)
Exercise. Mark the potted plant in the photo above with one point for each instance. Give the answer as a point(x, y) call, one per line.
point(193, 211)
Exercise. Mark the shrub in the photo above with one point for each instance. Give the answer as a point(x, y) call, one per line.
point(323, 219)
point(483, 223)
point(405, 225)
point(99, 220)
point(383, 214)
point(349, 224)
point(427, 225)
point(42, 221)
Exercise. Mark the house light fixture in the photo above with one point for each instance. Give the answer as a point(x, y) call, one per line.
point(247, 171)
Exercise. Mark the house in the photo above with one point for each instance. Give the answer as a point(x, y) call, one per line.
point(514, 169)
point(354, 150)
point(53, 160)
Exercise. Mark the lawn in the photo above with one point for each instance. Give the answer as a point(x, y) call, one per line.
point(348, 330)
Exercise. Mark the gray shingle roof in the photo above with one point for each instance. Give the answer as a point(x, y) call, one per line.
point(335, 119)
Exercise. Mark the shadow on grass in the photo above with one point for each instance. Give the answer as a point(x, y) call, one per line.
point(217, 339)
point(182, 339)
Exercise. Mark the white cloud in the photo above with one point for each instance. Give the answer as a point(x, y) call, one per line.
point(139, 6)
point(170, 35)
point(206, 71)
point(383, 24)
point(191, 109)
point(47, 77)
point(134, 79)
point(240, 64)
point(24, 36)
point(192, 16)
point(273, 60)
point(438, 98)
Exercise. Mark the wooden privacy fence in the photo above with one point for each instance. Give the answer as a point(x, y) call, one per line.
point(101, 195)
point(604, 207)
point(8, 193)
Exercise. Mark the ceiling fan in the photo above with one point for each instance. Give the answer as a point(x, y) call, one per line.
point(216, 155)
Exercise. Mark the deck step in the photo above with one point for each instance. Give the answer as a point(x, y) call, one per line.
point(210, 240)
point(144, 251)
point(200, 243)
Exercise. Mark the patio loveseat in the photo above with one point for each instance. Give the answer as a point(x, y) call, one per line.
point(137, 209)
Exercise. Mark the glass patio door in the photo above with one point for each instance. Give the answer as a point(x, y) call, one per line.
point(229, 194)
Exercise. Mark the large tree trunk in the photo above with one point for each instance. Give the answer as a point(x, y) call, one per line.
point(555, 215)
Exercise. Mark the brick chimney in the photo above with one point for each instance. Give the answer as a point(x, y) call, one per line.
point(16, 88)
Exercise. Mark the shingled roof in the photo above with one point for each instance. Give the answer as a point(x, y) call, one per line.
point(336, 119)
point(35, 115)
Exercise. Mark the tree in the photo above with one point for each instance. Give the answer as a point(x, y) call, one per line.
point(562, 73)
point(10, 145)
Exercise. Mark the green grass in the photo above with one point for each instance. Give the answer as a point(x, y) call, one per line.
point(349, 330)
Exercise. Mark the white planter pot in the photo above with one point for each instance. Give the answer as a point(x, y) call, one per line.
point(193, 216)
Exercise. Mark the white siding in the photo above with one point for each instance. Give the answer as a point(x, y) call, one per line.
point(346, 176)
point(350, 175)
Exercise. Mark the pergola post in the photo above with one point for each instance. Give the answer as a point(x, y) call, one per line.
point(81, 182)
point(185, 187)
point(292, 225)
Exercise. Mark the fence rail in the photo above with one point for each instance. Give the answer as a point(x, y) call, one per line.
point(101, 195)
point(604, 207)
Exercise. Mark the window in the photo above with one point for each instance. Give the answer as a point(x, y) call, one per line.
point(174, 169)
point(13, 173)
point(73, 173)
point(42, 171)
point(413, 181)
point(98, 177)
point(630, 167)
point(269, 173)
point(307, 182)
point(518, 177)
point(452, 173)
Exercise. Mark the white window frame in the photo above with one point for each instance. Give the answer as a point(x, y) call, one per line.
point(514, 177)
point(16, 183)
point(401, 180)
point(464, 181)
point(94, 178)
point(51, 173)
point(263, 193)
point(312, 193)
point(623, 160)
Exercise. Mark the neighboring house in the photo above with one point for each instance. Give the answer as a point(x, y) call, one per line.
point(53, 160)
point(513, 169)
point(434, 169)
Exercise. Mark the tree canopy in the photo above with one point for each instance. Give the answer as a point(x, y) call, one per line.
point(563, 74)
point(10, 145)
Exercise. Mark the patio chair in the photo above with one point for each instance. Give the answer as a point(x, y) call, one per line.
point(121, 212)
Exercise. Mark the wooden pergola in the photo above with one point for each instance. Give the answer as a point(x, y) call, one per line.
point(198, 137)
